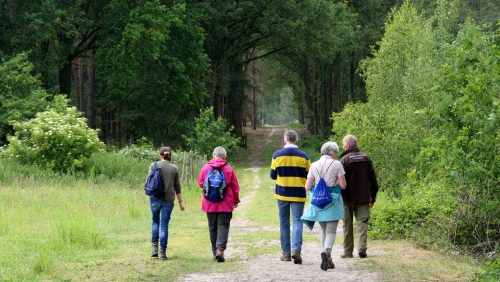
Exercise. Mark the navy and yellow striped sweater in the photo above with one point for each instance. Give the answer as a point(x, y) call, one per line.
point(289, 168)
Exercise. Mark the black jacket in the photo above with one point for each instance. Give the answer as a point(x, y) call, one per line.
point(362, 186)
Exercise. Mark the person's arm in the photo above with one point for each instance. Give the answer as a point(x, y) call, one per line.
point(341, 181)
point(309, 183)
point(274, 172)
point(373, 185)
point(179, 200)
point(201, 177)
point(235, 186)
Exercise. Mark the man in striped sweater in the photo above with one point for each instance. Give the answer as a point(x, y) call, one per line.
point(289, 167)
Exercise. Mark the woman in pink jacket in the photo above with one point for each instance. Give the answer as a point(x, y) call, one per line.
point(220, 196)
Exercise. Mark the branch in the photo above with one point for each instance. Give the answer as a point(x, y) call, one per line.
point(264, 55)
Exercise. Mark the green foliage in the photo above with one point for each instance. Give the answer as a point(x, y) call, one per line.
point(431, 123)
point(489, 272)
point(58, 138)
point(21, 93)
point(151, 67)
point(143, 149)
point(209, 133)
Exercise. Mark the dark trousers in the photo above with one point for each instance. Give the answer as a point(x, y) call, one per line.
point(218, 225)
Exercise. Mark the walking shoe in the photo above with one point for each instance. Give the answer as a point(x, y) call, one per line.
point(344, 255)
point(297, 259)
point(362, 254)
point(286, 257)
point(154, 250)
point(219, 256)
point(163, 255)
point(331, 265)
point(324, 261)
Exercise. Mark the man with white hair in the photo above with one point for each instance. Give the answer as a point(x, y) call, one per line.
point(359, 195)
point(289, 167)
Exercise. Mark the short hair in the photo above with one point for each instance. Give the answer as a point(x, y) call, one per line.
point(351, 140)
point(220, 152)
point(291, 136)
point(329, 147)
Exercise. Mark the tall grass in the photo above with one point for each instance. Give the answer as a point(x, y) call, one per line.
point(92, 226)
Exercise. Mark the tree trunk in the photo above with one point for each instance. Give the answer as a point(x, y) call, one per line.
point(65, 78)
point(90, 89)
point(78, 78)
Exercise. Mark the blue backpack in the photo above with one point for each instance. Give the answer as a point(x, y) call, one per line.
point(154, 184)
point(321, 197)
point(214, 186)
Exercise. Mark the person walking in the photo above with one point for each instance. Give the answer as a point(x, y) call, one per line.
point(161, 207)
point(331, 170)
point(359, 195)
point(220, 210)
point(289, 167)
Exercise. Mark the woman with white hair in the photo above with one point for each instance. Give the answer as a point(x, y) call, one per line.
point(331, 170)
point(218, 176)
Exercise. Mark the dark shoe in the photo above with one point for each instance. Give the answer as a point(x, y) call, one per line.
point(154, 250)
point(286, 257)
point(163, 255)
point(331, 265)
point(362, 254)
point(344, 255)
point(219, 256)
point(297, 259)
point(324, 261)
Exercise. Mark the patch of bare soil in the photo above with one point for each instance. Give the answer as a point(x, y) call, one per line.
point(269, 267)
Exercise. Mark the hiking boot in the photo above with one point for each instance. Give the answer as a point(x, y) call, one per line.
point(163, 255)
point(286, 257)
point(324, 261)
point(344, 255)
point(362, 254)
point(219, 256)
point(297, 259)
point(154, 250)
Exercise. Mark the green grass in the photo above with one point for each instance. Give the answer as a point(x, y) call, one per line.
point(81, 230)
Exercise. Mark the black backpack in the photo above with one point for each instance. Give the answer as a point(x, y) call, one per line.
point(154, 184)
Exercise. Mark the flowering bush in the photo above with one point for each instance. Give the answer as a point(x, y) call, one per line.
point(57, 138)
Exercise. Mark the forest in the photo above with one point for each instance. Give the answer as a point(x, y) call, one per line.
point(417, 81)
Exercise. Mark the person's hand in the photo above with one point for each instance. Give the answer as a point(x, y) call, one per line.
point(235, 205)
point(181, 206)
point(370, 205)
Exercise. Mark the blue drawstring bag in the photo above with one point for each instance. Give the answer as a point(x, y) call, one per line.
point(321, 197)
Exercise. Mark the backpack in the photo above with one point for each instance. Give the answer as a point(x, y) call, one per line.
point(154, 184)
point(321, 197)
point(215, 186)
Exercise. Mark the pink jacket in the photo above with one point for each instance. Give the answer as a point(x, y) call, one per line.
point(232, 196)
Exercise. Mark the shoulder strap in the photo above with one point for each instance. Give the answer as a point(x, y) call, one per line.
point(321, 176)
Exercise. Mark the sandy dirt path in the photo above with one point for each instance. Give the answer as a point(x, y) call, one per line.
point(269, 267)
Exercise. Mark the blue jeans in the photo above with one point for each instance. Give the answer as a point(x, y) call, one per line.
point(161, 211)
point(284, 211)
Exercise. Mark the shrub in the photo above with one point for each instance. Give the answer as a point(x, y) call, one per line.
point(58, 138)
point(209, 133)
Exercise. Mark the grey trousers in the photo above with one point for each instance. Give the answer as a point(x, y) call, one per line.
point(362, 214)
point(328, 234)
point(218, 226)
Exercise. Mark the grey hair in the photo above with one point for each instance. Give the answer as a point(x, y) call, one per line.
point(291, 136)
point(220, 152)
point(351, 140)
point(329, 147)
